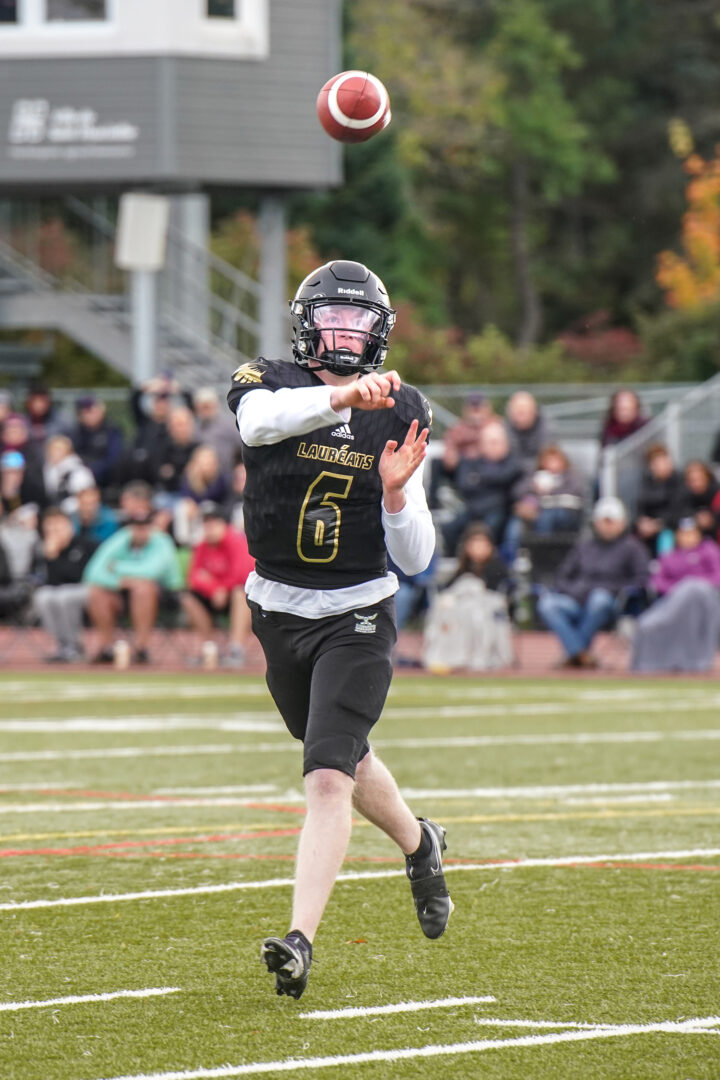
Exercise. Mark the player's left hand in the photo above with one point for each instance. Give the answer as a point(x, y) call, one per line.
point(398, 463)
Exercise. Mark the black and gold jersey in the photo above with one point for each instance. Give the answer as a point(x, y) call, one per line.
point(312, 502)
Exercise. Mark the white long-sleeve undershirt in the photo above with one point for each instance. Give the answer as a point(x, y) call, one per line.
point(266, 417)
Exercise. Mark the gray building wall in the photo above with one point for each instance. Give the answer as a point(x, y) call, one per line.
point(176, 122)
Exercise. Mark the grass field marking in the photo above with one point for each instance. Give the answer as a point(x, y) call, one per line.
point(545, 791)
point(579, 738)
point(402, 1006)
point(89, 834)
point(364, 875)
point(127, 752)
point(249, 723)
point(285, 745)
point(692, 1027)
point(110, 804)
point(80, 999)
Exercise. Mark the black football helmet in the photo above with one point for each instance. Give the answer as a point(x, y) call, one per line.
point(341, 318)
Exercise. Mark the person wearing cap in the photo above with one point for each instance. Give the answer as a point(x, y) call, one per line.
point(132, 571)
point(98, 442)
point(219, 568)
point(591, 581)
point(18, 484)
point(681, 630)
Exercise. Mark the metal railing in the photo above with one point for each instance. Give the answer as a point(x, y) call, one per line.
point(687, 427)
point(208, 309)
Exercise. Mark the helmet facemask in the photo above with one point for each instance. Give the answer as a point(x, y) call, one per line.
point(344, 337)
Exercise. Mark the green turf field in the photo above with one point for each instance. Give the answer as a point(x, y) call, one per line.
point(148, 831)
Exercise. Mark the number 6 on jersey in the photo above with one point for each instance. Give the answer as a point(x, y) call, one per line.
point(318, 535)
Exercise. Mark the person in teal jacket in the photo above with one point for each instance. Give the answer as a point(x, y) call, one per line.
point(129, 572)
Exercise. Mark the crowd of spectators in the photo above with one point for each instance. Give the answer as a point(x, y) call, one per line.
point(582, 563)
point(105, 525)
point(103, 528)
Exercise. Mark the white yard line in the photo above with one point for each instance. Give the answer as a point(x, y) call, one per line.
point(80, 999)
point(546, 791)
point(249, 723)
point(570, 794)
point(447, 742)
point(88, 806)
point(400, 1007)
point(692, 1027)
point(217, 749)
point(550, 739)
point(366, 875)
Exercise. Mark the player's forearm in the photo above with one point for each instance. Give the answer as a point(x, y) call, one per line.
point(410, 531)
point(265, 417)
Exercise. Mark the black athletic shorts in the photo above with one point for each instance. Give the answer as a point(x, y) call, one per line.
point(329, 678)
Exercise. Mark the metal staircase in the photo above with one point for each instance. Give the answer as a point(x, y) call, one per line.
point(57, 273)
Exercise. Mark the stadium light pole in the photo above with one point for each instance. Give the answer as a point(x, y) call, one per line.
point(273, 277)
point(140, 247)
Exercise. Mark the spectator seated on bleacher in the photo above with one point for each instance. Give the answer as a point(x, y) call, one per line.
point(91, 519)
point(215, 426)
point(461, 440)
point(623, 418)
point(548, 502)
point(19, 537)
point(132, 572)
point(219, 568)
point(175, 454)
point(485, 483)
point(591, 582)
point(63, 471)
point(42, 417)
point(527, 427)
point(202, 481)
point(61, 596)
point(15, 435)
point(20, 484)
point(658, 500)
point(15, 593)
point(697, 496)
point(99, 443)
point(468, 623)
point(681, 630)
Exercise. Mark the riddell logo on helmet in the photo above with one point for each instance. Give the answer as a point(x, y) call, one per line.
point(352, 292)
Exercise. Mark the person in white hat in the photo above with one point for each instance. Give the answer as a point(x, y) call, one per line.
point(595, 574)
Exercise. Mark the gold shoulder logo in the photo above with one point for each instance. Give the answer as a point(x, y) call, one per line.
point(248, 373)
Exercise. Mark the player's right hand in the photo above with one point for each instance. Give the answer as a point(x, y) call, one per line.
point(371, 391)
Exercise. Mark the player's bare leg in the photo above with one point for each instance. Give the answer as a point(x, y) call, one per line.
point(322, 846)
point(321, 850)
point(378, 799)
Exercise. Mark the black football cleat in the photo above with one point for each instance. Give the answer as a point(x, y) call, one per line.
point(433, 905)
point(289, 960)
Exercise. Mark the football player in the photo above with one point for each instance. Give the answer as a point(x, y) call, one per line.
point(334, 451)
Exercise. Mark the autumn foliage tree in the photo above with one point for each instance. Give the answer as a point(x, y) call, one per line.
point(692, 280)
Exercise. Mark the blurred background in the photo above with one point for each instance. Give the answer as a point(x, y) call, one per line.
point(544, 209)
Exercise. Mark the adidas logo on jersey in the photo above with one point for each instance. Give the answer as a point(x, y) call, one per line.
point(343, 432)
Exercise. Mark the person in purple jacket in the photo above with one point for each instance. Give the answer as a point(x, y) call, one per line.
point(591, 582)
point(681, 631)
